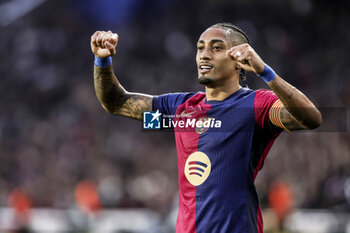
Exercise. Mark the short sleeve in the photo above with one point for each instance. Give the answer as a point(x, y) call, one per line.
point(263, 101)
point(168, 103)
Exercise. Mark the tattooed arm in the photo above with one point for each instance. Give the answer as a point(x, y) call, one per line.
point(115, 99)
point(112, 96)
point(296, 110)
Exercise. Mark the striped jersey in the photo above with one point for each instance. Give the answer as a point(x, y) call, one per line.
point(221, 146)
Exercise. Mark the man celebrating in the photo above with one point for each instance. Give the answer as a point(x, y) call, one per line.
point(217, 167)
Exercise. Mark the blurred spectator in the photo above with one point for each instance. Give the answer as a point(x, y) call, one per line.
point(281, 201)
point(21, 204)
point(87, 198)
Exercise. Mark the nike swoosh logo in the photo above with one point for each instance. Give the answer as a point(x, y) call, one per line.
point(184, 114)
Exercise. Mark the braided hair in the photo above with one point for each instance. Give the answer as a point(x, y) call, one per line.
point(238, 36)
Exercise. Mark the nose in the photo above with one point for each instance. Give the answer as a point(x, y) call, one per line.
point(205, 54)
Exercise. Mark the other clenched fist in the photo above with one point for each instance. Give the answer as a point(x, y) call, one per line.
point(246, 58)
point(103, 43)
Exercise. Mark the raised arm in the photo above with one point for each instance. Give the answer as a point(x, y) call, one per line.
point(295, 110)
point(112, 96)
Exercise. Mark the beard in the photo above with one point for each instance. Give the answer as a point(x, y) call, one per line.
point(205, 80)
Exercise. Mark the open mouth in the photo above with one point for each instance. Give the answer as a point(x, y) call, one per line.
point(205, 68)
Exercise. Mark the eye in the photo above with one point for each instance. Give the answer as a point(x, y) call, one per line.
point(217, 47)
point(200, 48)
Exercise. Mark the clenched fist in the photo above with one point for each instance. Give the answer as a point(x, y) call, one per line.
point(246, 58)
point(103, 43)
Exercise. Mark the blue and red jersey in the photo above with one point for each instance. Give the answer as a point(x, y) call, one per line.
point(218, 161)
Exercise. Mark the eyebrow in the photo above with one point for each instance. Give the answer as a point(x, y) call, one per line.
point(212, 41)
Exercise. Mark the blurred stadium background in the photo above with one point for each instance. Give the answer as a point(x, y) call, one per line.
point(68, 166)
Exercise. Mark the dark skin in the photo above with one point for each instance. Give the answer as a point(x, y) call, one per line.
point(219, 66)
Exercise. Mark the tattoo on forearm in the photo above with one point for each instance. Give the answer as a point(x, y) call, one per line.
point(302, 112)
point(286, 95)
point(106, 86)
point(115, 99)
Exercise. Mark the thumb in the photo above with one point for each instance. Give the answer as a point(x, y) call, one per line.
point(110, 47)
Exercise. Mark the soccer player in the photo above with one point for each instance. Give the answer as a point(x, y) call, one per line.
point(217, 166)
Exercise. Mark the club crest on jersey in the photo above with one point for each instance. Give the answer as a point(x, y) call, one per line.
point(197, 168)
point(206, 123)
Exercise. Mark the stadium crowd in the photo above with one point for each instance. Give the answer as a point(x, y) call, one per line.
point(55, 135)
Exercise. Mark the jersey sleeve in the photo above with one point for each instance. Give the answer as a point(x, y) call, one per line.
point(168, 103)
point(264, 99)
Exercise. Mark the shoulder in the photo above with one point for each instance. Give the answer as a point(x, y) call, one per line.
point(264, 93)
point(264, 97)
point(175, 96)
point(243, 94)
point(245, 91)
point(170, 101)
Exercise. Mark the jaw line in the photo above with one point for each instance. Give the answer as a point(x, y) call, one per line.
point(205, 80)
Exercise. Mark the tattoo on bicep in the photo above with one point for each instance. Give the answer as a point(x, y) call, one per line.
point(289, 121)
point(135, 105)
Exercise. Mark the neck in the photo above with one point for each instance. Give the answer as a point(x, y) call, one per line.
point(221, 92)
